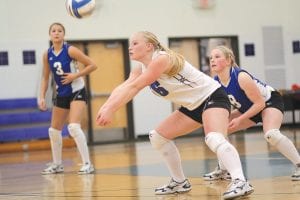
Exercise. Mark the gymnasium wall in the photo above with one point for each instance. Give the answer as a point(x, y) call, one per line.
point(24, 26)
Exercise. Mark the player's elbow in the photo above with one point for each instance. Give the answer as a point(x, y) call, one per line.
point(93, 67)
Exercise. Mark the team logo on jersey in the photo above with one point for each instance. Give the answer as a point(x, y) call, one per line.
point(210, 102)
point(184, 80)
point(51, 58)
point(268, 103)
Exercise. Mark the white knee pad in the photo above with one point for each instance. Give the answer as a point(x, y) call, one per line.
point(273, 136)
point(157, 140)
point(214, 140)
point(75, 130)
point(54, 135)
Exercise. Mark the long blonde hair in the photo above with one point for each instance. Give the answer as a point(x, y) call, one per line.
point(228, 53)
point(176, 60)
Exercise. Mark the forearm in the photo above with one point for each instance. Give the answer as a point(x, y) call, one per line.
point(119, 90)
point(120, 97)
point(43, 89)
point(87, 70)
point(252, 111)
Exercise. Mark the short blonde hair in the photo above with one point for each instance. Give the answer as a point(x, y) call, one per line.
point(228, 53)
point(176, 60)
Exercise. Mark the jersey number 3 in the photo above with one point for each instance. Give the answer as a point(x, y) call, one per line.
point(58, 67)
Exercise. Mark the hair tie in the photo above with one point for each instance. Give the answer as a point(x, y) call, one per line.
point(159, 46)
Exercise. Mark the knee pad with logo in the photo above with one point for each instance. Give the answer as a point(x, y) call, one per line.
point(157, 141)
point(273, 136)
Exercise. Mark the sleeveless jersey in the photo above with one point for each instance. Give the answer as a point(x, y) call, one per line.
point(62, 63)
point(237, 96)
point(189, 88)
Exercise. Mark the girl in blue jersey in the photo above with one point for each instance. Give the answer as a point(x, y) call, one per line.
point(201, 99)
point(60, 59)
point(253, 102)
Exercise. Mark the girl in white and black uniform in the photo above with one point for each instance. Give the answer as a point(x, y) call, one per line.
point(202, 101)
point(189, 88)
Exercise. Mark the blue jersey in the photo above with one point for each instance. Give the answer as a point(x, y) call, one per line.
point(236, 94)
point(62, 63)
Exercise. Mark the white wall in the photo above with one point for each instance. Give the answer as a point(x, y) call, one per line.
point(24, 26)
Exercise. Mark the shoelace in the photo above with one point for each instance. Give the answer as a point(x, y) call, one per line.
point(234, 182)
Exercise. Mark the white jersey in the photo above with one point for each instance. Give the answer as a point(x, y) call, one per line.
point(189, 88)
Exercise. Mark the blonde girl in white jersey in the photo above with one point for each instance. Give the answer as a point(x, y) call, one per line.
point(202, 102)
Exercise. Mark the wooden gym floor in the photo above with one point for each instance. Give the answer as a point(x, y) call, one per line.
point(132, 171)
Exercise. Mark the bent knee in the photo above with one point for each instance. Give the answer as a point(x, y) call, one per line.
point(273, 136)
point(214, 140)
point(156, 140)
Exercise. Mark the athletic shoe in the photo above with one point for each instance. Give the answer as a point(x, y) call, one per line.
point(238, 188)
point(217, 174)
point(53, 169)
point(296, 175)
point(174, 187)
point(87, 168)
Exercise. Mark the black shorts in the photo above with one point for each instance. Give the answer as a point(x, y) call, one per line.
point(64, 102)
point(275, 101)
point(218, 99)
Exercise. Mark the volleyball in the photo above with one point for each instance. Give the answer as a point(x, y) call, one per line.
point(80, 8)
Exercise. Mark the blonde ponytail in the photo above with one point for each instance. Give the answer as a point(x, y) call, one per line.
point(176, 60)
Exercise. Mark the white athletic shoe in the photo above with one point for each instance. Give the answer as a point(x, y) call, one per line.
point(53, 169)
point(174, 187)
point(217, 174)
point(87, 168)
point(238, 188)
point(296, 175)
